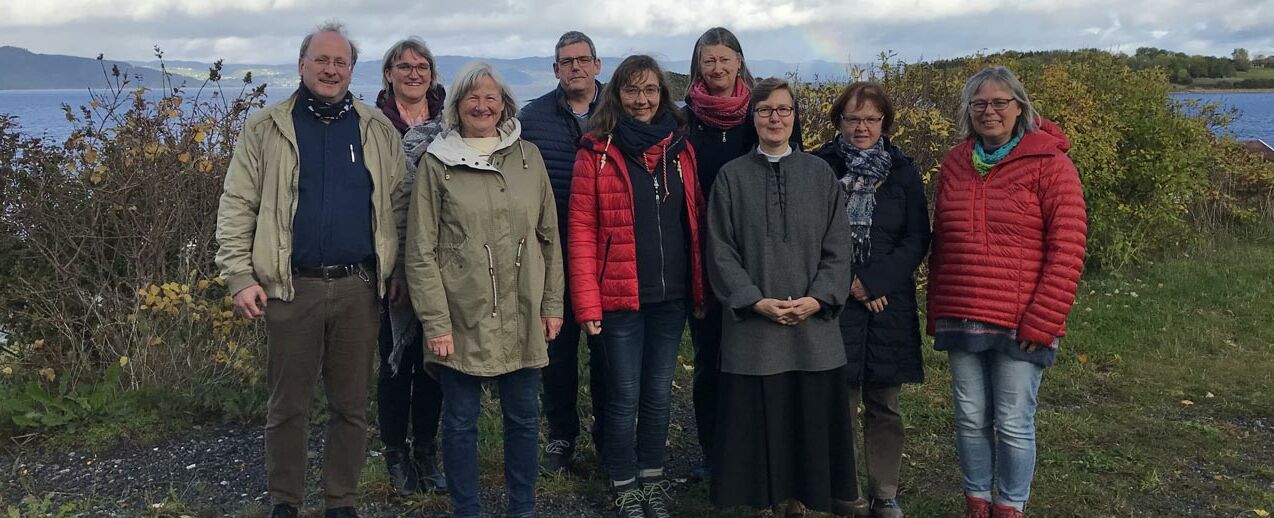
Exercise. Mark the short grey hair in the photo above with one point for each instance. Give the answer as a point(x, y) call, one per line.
point(414, 44)
point(571, 38)
point(331, 26)
point(1026, 121)
point(465, 81)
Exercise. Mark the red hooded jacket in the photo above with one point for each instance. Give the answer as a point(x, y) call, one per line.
point(1008, 249)
point(601, 243)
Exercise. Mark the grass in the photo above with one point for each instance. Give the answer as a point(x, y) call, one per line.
point(1159, 405)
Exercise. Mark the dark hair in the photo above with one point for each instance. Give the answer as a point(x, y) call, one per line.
point(719, 36)
point(610, 108)
point(767, 87)
point(571, 38)
point(863, 92)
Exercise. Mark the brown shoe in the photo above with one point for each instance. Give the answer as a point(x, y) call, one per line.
point(795, 509)
point(976, 507)
point(860, 508)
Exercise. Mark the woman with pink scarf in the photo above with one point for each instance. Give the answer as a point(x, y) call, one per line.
point(720, 131)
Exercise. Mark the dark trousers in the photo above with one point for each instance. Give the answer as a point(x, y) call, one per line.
point(561, 383)
point(328, 330)
point(706, 335)
point(640, 358)
point(410, 400)
point(461, 405)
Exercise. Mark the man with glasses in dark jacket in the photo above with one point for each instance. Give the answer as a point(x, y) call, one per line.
point(554, 122)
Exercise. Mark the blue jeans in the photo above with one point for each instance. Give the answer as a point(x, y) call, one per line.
point(461, 404)
point(995, 400)
point(640, 356)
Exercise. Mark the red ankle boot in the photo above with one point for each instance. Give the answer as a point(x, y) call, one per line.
point(976, 507)
point(1005, 511)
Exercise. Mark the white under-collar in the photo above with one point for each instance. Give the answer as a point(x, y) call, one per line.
point(774, 158)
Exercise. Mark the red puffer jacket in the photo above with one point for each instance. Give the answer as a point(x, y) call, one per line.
point(1008, 249)
point(600, 240)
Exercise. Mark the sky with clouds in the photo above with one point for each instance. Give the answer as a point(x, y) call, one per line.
point(268, 31)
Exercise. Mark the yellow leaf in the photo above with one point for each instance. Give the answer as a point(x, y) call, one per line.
point(202, 284)
point(1186, 402)
point(199, 136)
point(48, 374)
point(205, 166)
point(123, 361)
point(1083, 358)
point(155, 340)
point(38, 343)
point(8, 371)
point(1262, 513)
point(183, 158)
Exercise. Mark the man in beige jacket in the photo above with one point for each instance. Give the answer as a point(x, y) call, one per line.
point(309, 225)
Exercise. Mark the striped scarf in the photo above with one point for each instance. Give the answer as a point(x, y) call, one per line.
point(864, 170)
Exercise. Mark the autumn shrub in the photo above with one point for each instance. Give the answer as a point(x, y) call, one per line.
point(107, 242)
point(1151, 166)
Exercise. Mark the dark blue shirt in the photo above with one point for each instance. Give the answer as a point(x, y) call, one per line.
point(333, 221)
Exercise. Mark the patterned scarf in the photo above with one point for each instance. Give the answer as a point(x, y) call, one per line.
point(864, 170)
point(720, 112)
point(983, 162)
point(434, 97)
point(325, 111)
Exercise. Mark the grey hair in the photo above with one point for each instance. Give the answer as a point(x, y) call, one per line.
point(571, 38)
point(1026, 121)
point(331, 26)
point(467, 80)
point(414, 44)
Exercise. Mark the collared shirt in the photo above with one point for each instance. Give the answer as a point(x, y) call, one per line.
point(333, 220)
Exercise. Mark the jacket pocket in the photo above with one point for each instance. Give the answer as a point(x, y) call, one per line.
point(601, 272)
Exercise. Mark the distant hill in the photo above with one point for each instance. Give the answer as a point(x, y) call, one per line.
point(530, 76)
point(23, 69)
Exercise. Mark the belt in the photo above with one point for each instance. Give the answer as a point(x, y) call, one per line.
point(339, 271)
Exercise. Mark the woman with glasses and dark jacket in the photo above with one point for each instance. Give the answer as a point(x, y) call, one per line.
point(720, 130)
point(779, 262)
point(888, 225)
point(636, 275)
point(407, 398)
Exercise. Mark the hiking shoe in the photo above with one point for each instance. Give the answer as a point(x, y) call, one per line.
point(885, 508)
point(284, 511)
point(1005, 511)
point(557, 456)
point(340, 512)
point(429, 478)
point(976, 507)
point(655, 490)
point(629, 500)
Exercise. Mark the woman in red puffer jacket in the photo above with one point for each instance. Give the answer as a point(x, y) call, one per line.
point(1009, 237)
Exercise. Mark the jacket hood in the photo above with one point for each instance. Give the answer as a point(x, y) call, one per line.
point(450, 149)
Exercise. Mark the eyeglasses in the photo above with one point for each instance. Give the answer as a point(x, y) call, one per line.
point(406, 68)
point(631, 92)
point(996, 104)
point(582, 60)
point(766, 112)
point(324, 61)
point(853, 121)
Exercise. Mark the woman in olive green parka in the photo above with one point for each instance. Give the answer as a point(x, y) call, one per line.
point(484, 268)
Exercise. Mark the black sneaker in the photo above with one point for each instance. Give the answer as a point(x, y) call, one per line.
point(557, 456)
point(885, 508)
point(340, 512)
point(655, 490)
point(630, 501)
point(284, 511)
point(429, 478)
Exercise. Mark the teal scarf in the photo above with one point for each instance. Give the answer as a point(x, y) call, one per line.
point(983, 162)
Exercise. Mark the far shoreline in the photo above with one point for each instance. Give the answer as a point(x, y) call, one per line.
point(1201, 90)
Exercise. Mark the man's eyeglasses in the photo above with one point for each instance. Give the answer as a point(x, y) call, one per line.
point(766, 112)
point(582, 60)
point(405, 68)
point(996, 104)
point(323, 62)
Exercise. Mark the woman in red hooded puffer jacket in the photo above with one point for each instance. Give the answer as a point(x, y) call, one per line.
point(1009, 237)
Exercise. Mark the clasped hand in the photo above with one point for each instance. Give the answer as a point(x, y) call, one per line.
point(787, 312)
